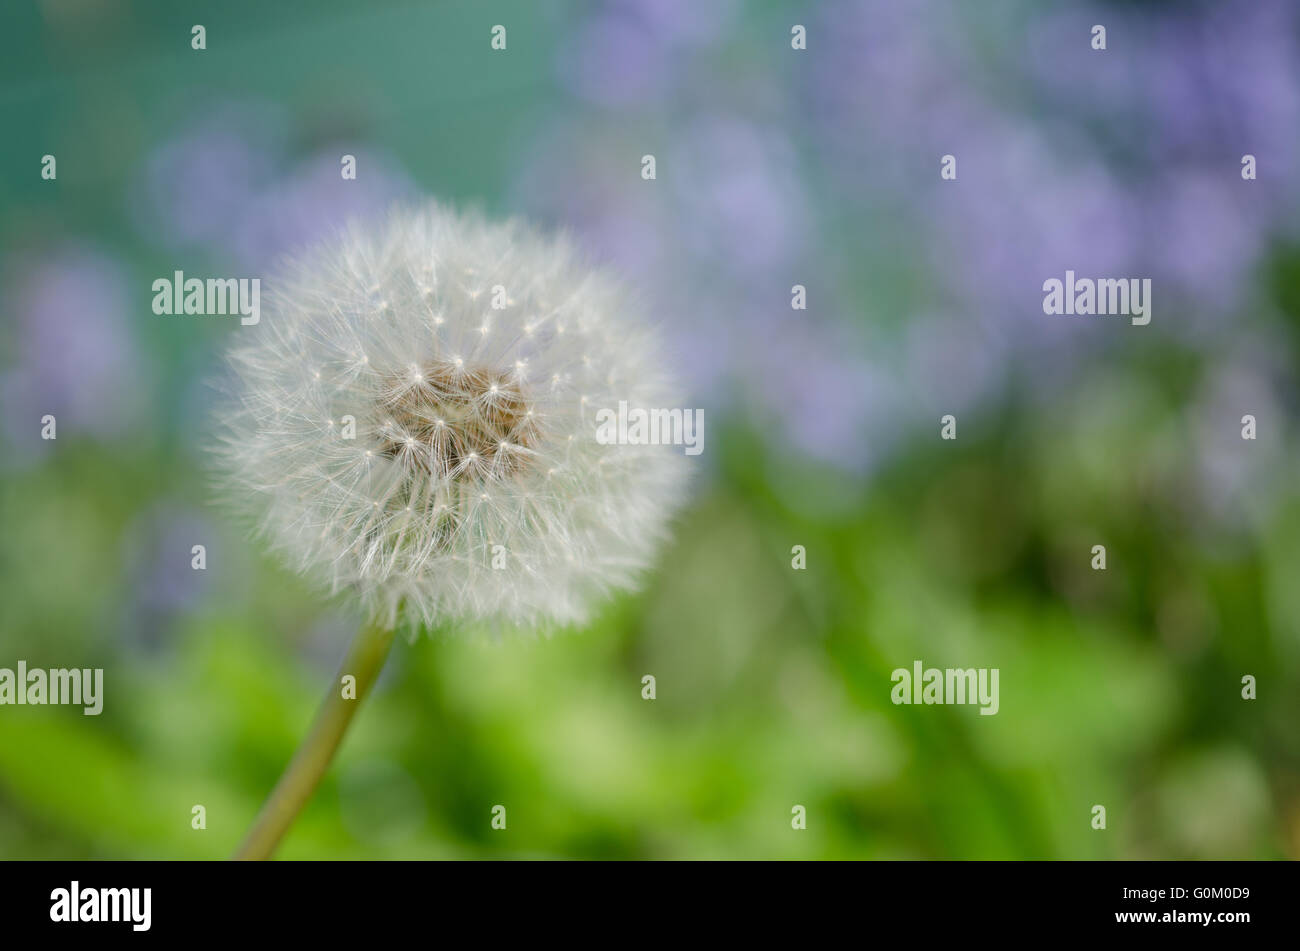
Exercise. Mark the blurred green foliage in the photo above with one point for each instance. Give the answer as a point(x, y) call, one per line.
point(772, 684)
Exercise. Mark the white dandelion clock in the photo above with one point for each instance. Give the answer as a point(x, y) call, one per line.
point(414, 421)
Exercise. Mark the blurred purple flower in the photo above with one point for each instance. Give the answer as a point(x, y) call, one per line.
point(1020, 213)
point(830, 404)
point(196, 186)
point(1193, 88)
point(74, 355)
point(574, 179)
point(631, 51)
point(313, 201)
point(714, 245)
point(731, 211)
point(1117, 163)
point(891, 85)
point(1189, 84)
point(948, 365)
point(228, 187)
point(616, 61)
point(1203, 238)
point(740, 197)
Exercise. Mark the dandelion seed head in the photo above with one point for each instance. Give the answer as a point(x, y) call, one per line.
point(455, 450)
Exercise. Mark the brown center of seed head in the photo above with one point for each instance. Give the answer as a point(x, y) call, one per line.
point(460, 421)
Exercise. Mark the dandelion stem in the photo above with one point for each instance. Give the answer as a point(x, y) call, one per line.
point(364, 661)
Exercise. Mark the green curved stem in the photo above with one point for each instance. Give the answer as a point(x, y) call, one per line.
point(364, 661)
